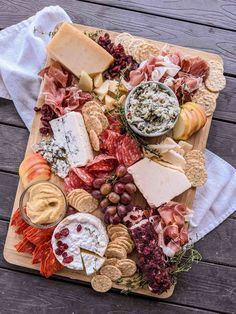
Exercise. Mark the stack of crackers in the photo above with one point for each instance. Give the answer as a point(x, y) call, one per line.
point(95, 122)
point(195, 167)
point(82, 201)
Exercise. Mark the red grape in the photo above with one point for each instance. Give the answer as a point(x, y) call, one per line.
point(125, 198)
point(97, 194)
point(111, 210)
point(130, 188)
point(115, 219)
point(106, 188)
point(127, 178)
point(104, 203)
point(119, 188)
point(122, 211)
point(121, 171)
point(113, 197)
point(97, 183)
point(106, 218)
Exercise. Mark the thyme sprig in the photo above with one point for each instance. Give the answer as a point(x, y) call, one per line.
point(134, 282)
point(183, 261)
point(93, 35)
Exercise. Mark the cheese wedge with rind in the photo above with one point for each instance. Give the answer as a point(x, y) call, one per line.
point(158, 184)
point(77, 52)
point(92, 262)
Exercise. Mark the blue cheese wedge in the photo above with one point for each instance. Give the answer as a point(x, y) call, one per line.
point(157, 183)
point(69, 132)
point(92, 262)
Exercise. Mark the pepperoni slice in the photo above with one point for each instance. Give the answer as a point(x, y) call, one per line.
point(102, 163)
point(38, 236)
point(49, 265)
point(130, 151)
point(110, 141)
point(25, 246)
point(78, 178)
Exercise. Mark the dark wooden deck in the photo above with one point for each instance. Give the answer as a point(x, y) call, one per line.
point(210, 287)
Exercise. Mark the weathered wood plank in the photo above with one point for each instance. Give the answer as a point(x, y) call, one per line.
point(24, 293)
point(8, 113)
point(222, 142)
point(216, 293)
point(13, 142)
point(158, 28)
point(219, 13)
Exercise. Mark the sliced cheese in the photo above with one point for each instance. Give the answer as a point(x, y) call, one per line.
point(98, 80)
point(158, 184)
point(69, 132)
point(77, 52)
point(102, 90)
point(185, 146)
point(85, 82)
point(92, 262)
point(109, 103)
point(174, 158)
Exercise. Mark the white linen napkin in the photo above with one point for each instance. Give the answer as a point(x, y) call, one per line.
point(24, 54)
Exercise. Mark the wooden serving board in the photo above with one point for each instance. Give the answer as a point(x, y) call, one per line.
point(198, 140)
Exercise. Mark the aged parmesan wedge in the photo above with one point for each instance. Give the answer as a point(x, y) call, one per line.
point(92, 262)
point(69, 132)
point(77, 52)
point(174, 158)
point(158, 184)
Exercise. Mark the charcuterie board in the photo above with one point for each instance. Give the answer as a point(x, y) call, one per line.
point(198, 140)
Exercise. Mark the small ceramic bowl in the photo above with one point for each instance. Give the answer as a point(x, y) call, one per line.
point(134, 128)
point(22, 206)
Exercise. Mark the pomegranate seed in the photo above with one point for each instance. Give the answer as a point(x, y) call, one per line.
point(64, 254)
point(57, 236)
point(68, 259)
point(58, 251)
point(79, 227)
point(64, 232)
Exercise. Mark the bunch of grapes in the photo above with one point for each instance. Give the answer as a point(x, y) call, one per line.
point(115, 196)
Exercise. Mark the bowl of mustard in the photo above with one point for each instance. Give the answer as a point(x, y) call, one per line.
point(43, 205)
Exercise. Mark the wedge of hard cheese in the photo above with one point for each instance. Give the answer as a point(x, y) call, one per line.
point(77, 52)
point(158, 184)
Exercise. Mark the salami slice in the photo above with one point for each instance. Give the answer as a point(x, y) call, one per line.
point(130, 151)
point(78, 178)
point(25, 246)
point(102, 163)
point(110, 141)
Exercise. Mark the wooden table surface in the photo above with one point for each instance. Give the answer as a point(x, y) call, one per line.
point(210, 287)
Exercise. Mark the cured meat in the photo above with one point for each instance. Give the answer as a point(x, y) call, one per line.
point(75, 98)
point(78, 178)
point(48, 262)
point(38, 236)
point(56, 72)
point(195, 66)
point(151, 259)
point(25, 246)
point(18, 222)
point(170, 227)
point(123, 147)
point(102, 163)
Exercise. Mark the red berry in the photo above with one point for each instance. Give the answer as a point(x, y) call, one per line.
point(79, 227)
point(57, 235)
point(64, 232)
point(64, 254)
point(68, 259)
point(59, 243)
point(58, 251)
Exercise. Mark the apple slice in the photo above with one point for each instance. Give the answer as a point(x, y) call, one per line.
point(30, 161)
point(36, 173)
point(182, 126)
point(199, 110)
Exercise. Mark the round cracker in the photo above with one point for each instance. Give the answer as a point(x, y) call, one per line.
point(197, 175)
point(127, 245)
point(195, 154)
point(215, 65)
point(117, 246)
point(109, 227)
point(101, 116)
point(193, 162)
point(94, 140)
point(133, 44)
point(89, 104)
point(127, 267)
point(114, 252)
point(87, 204)
point(111, 261)
point(118, 234)
point(101, 283)
point(145, 51)
point(111, 272)
point(207, 101)
point(93, 123)
point(116, 229)
point(215, 81)
point(122, 37)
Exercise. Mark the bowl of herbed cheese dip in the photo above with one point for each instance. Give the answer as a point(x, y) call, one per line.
point(151, 109)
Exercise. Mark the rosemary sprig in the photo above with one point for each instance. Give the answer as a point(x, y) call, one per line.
point(183, 261)
point(134, 282)
point(93, 35)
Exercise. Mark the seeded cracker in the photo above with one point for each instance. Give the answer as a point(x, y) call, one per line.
point(116, 229)
point(127, 267)
point(93, 123)
point(215, 81)
point(128, 246)
point(195, 154)
point(101, 283)
point(94, 140)
point(119, 234)
point(111, 261)
point(133, 44)
point(197, 175)
point(114, 252)
point(87, 204)
point(110, 227)
point(111, 271)
point(101, 116)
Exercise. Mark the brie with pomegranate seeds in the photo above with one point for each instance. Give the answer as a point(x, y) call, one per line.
point(76, 232)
